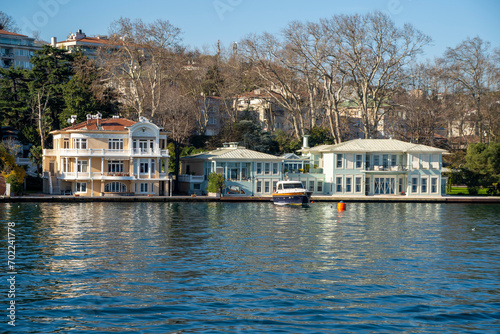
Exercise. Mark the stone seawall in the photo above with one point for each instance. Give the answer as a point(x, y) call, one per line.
point(400, 199)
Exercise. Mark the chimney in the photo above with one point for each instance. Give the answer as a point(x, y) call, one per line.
point(98, 116)
point(305, 142)
point(89, 119)
point(80, 34)
point(53, 41)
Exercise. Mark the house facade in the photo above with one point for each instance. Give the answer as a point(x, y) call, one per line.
point(370, 167)
point(267, 112)
point(246, 172)
point(79, 41)
point(107, 157)
point(16, 50)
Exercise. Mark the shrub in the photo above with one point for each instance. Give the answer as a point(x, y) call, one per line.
point(215, 183)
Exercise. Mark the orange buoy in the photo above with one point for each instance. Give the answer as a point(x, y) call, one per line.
point(340, 206)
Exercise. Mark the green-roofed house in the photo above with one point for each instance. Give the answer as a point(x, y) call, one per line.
point(379, 167)
point(246, 172)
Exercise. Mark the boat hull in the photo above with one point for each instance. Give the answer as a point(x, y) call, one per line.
point(291, 199)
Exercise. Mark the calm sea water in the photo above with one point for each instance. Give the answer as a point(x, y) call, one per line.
point(253, 268)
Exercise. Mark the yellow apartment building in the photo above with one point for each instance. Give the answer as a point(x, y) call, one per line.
point(107, 157)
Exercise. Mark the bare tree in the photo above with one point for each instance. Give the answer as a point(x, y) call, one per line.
point(7, 23)
point(374, 54)
point(273, 63)
point(470, 67)
point(177, 116)
point(140, 61)
point(321, 59)
point(39, 103)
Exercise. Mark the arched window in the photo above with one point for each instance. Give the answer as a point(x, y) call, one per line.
point(115, 187)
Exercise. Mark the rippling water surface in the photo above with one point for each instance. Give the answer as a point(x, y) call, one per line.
point(254, 268)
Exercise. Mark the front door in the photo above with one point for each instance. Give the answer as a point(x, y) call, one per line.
point(385, 185)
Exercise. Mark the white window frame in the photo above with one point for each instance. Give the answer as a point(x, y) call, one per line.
point(319, 186)
point(360, 178)
point(82, 166)
point(424, 182)
point(81, 187)
point(80, 143)
point(339, 161)
point(115, 144)
point(116, 166)
point(267, 187)
point(337, 184)
point(436, 191)
point(267, 168)
point(401, 185)
point(258, 168)
point(144, 188)
point(258, 187)
point(414, 186)
point(115, 187)
point(144, 166)
point(275, 168)
point(348, 184)
point(358, 162)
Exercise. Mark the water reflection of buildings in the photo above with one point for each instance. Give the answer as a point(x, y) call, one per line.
point(105, 246)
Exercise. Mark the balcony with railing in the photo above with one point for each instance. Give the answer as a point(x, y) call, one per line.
point(135, 152)
point(395, 168)
point(6, 54)
point(109, 176)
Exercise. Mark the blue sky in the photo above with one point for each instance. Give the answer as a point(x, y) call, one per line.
point(203, 22)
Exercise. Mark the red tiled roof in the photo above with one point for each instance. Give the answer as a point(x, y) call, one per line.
point(108, 124)
point(5, 32)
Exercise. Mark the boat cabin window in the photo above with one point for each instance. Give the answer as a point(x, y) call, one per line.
point(293, 185)
point(280, 186)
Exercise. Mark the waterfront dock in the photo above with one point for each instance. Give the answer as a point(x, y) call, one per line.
point(228, 199)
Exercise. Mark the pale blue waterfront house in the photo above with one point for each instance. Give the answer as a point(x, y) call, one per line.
point(371, 167)
point(361, 167)
point(246, 172)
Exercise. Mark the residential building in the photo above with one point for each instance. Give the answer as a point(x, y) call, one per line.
point(16, 50)
point(379, 167)
point(352, 115)
point(87, 45)
point(305, 169)
point(103, 157)
point(267, 112)
point(246, 172)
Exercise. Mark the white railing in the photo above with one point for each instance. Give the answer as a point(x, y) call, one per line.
point(191, 178)
point(109, 176)
point(70, 152)
point(149, 152)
